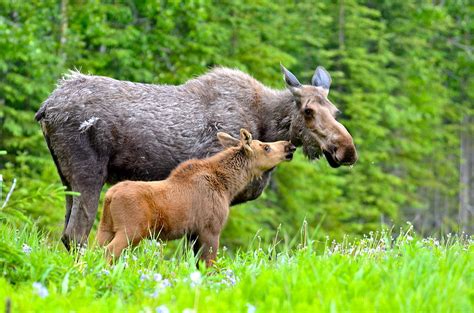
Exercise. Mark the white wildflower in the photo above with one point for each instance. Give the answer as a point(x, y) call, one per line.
point(162, 309)
point(26, 249)
point(165, 283)
point(195, 278)
point(41, 290)
point(82, 250)
point(251, 308)
point(157, 277)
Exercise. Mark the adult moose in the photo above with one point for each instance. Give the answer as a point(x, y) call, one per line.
point(100, 130)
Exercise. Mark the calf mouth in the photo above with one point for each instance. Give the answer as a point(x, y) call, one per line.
point(289, 156)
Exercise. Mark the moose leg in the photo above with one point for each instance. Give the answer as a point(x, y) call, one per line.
point(88, 182)
point(63, 180)
point(68, 200)
point(82, 216)
point(253, 190)
point(68, 209)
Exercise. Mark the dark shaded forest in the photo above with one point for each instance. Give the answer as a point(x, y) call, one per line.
point(402, 76)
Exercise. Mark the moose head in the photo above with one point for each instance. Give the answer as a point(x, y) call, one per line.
point(316, 126)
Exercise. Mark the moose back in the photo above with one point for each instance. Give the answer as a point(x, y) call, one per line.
point(101, 130)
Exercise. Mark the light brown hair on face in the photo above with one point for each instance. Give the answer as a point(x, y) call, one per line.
point(193, 201)
point(263, 155)
point(319, 115)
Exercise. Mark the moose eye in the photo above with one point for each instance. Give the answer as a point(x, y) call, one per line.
point(308, 112)
point(267, 148)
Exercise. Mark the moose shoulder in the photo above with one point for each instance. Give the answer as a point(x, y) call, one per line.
point(102, 130)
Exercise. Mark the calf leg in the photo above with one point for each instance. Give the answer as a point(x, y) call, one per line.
point(207, 243)
point(104, 236)
point(106, 227)
point(116, 246)
point(122, 239)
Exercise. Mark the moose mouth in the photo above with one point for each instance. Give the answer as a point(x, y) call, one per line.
point(331, 160)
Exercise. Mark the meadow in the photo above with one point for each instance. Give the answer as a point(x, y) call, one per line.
point(381, 272)
point(402, 78)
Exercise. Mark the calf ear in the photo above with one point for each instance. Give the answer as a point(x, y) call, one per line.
point(227, 140)
point(246, 140)
point(321, 78)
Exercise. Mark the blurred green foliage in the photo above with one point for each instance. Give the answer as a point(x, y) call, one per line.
point(402, 75)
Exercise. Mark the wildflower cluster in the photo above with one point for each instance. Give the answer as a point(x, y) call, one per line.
point(372, 245)
point(154, 248)
point(40, 289)
point(156, 280)
point(26, 249)
point(229, 278)
point(195, 278)
point(162, 309)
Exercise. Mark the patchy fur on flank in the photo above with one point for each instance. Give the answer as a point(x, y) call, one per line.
point(102, 130)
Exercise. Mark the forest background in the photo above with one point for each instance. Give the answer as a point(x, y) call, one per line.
point(402, 76)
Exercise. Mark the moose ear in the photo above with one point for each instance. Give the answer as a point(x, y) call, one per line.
point(246, 140)
point(321, 78)
point(290, 79)
point(227, 140)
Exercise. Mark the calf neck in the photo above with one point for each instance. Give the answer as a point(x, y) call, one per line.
point(101, 130)
point(193, 201)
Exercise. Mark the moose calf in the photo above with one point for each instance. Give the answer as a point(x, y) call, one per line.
point(193, 201)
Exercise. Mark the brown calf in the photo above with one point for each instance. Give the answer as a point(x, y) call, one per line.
point(193, 201)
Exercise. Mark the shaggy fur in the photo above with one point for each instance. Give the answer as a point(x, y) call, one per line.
point(194, 200)
point(100, 130)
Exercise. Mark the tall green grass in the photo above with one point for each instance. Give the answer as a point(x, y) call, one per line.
point(376, 273)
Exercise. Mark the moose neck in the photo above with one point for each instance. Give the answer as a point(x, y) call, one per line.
point(234, 171)
point(280, 116)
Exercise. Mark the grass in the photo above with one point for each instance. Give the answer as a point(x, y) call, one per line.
point(376, 273)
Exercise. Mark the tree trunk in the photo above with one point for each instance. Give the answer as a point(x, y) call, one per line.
point(466, 174)
point(341, 25)
point(63, 31)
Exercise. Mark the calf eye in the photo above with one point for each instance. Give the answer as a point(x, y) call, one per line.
point(267, 148)
point(308, 112)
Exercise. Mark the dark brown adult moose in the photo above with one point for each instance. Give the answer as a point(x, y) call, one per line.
point(102, 130)
point(193, 201)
